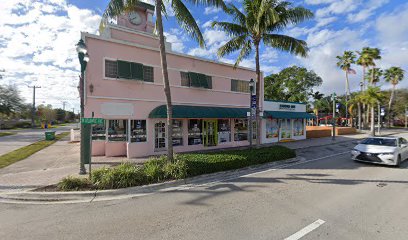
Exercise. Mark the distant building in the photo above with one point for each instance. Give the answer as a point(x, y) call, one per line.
point(124, 86)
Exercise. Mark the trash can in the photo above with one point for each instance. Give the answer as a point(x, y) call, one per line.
point(49, 135)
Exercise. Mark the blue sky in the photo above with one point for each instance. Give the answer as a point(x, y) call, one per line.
point(37, 41)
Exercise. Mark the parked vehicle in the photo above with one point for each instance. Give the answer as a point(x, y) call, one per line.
point(381, 150)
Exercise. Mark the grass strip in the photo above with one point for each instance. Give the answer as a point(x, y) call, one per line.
point(3, 134)
point(26, 151)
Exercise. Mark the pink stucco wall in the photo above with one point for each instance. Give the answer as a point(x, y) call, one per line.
point(145, 96)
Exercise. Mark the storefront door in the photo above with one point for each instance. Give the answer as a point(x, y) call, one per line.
point(160, 135)
point(285, 129)
point(210, 135)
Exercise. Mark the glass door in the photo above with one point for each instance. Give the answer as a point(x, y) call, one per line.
point(210, 133)
point(160, 135)
point(286, 129)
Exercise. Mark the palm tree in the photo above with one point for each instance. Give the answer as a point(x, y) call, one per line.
point(262, 21)
point(317, 104)
point(186, 21)
point(372, 96)
point(393, 75)
point(373, 76)
point(356, 101)
point(365, 60)
point(344, 62)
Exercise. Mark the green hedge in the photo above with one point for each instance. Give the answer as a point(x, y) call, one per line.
point(157, 169)
point(202, 163)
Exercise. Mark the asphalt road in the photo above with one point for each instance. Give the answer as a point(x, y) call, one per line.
point(328, 197)
point(25, 137)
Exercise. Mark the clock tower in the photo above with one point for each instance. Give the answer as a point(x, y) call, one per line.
point(141, 18)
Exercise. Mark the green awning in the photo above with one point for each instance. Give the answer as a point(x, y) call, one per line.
point(288, 115)
point(184, 111)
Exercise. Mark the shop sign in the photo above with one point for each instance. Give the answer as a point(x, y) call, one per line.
point(287, 107)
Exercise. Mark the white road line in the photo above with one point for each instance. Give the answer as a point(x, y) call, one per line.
point(301, 233)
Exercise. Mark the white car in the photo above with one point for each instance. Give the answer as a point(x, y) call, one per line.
point(382, 150)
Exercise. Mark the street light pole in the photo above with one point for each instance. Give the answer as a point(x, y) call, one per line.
point(83, 60)
point(334, 116)
point(406, 116)
point(379, 119)
point(250, 124)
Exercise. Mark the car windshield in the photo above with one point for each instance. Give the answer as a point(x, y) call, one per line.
point(380, 142)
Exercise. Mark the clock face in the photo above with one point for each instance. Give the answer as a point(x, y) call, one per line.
point(135, 18)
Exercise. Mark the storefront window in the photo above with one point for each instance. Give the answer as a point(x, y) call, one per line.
point(272, 128)
point(99, 132)
point(138, 131)
point(177, 133)
point(286, 129)
point(240, 129)
point(224, 130)
point(117, 130)
point(194, 132)
point(298, 129)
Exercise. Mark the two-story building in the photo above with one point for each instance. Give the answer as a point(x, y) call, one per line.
point(124, 86)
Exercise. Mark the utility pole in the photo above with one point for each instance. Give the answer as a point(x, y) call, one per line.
point(334, 116)
point(63, 105)
point(33, 109)
point(406, 116)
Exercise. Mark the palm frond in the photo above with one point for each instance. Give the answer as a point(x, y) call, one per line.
point(187, 21)
point(231, 28)
point(244, 53)
point(286, 43)
point(232, 46)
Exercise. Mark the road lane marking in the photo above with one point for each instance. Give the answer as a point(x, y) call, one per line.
point(302, 232)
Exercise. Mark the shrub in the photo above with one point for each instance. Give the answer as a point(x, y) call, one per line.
point(175, 170)
point(122, 176)
point(153, 169)
point(203, 163)
point(74, 184)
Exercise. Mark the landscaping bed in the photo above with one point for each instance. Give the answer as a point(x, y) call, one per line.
point(157, 169)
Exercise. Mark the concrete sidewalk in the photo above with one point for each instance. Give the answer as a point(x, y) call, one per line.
point(61, 159)
point(47, 167)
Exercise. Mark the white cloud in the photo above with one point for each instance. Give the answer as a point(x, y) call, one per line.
point(393, 39)
point(338, 7)
point(325, 45)
point(367, 11)
point(318, 2)
point(37, 46)
point(211, 10)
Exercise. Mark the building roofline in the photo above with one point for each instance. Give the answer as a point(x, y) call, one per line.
point(267, 100)
point(86, 34)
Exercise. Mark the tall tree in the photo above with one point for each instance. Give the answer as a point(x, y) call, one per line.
point(373, 76)
point(372, 96)
point(365, 60)
point(344, 63)
point(393, 75)
point(185, 20)
point(10, 100)
point(262, 21)
point(294, 84)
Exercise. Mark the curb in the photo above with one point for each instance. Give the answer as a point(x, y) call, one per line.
point(123, 193)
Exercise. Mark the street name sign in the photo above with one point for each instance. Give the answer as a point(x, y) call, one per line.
point(92, 120)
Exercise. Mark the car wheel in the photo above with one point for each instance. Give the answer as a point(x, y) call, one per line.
point(398, 161)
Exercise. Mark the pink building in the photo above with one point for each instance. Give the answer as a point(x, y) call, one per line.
point(124, 86)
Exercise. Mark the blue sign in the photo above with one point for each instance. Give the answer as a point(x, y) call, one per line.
point(253, 101)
